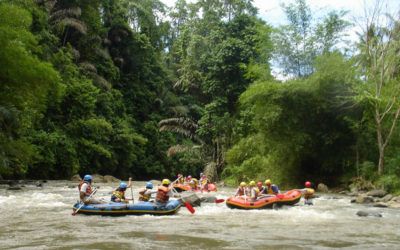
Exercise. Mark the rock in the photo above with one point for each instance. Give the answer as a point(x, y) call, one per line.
point(387, 198)
point(15, 187)
point(193, 199)
point(380, 204)
point(393, 204)
point(353, 200)
point(109, 178)
point(39, 184)
point(396, 199)
point(322, 188)
point(377, 193)
point(208, 199)
point(368, 213)
point(97, 178)
point(363, 199)
point(76, 178)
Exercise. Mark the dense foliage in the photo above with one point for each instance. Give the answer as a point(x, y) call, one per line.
point(133, 88)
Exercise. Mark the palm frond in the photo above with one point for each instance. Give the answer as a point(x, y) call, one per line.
point(65, 13)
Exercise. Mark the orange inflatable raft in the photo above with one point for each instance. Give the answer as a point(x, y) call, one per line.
point(288, 198)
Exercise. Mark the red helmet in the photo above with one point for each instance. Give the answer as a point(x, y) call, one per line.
point(307, 184)
point(259, 184)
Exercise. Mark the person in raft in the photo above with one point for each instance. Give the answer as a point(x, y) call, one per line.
point(308, 193)
point(181, 179)
point(145, 193)
point(253, 191)
point(193, 183)
point(119, 194)
point(203, 182)
point(260, 187)
point(270, 188)
point(85, 190)
point(163, 192)
point(241, 190)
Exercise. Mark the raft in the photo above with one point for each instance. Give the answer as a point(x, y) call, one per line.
point(139, 208)
point(182, 187)
point(288, 198)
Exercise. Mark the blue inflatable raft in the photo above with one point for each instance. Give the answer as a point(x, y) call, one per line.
point(138, 208)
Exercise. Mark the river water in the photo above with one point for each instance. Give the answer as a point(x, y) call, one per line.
point(40, 218)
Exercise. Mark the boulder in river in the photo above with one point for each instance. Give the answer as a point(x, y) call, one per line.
point(387, 198)
point(393, 204)
point(396, 199)
point(109, 178)
point(14, 187)
point(363, 199)
point(322, 188)
point(363, 213)
point(97, 178)
point(76, 178)
point(193, 199)
point(377, 193)
point(380, 204)
point(208, 199)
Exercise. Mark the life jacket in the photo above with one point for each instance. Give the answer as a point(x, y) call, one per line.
point(273, 189)
point(181, 180)
point(309, 192)
point(240, 191)
point(117, 194)
point(193, 183)
point(143, 196)
point(254, 192)
point(88, 190)
point(203, 181)
point(162, 194)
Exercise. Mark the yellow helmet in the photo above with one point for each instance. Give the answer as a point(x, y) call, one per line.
point(243, 184)
point(165, 182)
point(252, 183)
point(268, 182)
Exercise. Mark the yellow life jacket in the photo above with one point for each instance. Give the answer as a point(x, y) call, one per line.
point(309, 192)
point(119, 194)
point(143, 196)
point(193, 183)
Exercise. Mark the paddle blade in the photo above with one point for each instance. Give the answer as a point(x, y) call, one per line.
point(189, 207)
point(219, 200)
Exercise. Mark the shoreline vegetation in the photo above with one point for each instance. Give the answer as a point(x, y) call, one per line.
point(125, 89)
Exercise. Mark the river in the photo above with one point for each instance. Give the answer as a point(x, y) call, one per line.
point(40, 218)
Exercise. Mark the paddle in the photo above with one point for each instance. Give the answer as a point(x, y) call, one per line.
point(88, 199)
point(219, 200)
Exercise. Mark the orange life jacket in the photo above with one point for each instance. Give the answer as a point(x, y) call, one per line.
point(88, 190)
point(162, 194)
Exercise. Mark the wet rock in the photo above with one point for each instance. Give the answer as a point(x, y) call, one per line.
point(362, 213)
point(97, 178)
point(39, 184)
point(380, 204)
point(387, 198)
point(109, 178)
point(193, 199)
point(393, 204)
point(396, 199)
point(377, 193)
point(353, 200)
point(208, 199)
point(322, 188)
point(364, 199)
point(14, 187)
point(76, 178)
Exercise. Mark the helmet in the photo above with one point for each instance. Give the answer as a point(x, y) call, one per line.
point(180, 175)
point(189, 177)
point(88, 178)
point(123, 185)
point(307, 184)
point(165, 182)
point(259, 184)
point(243, 184)
point(268, 182)
point(201, 174)
point(149, 185)
point(252, 183)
